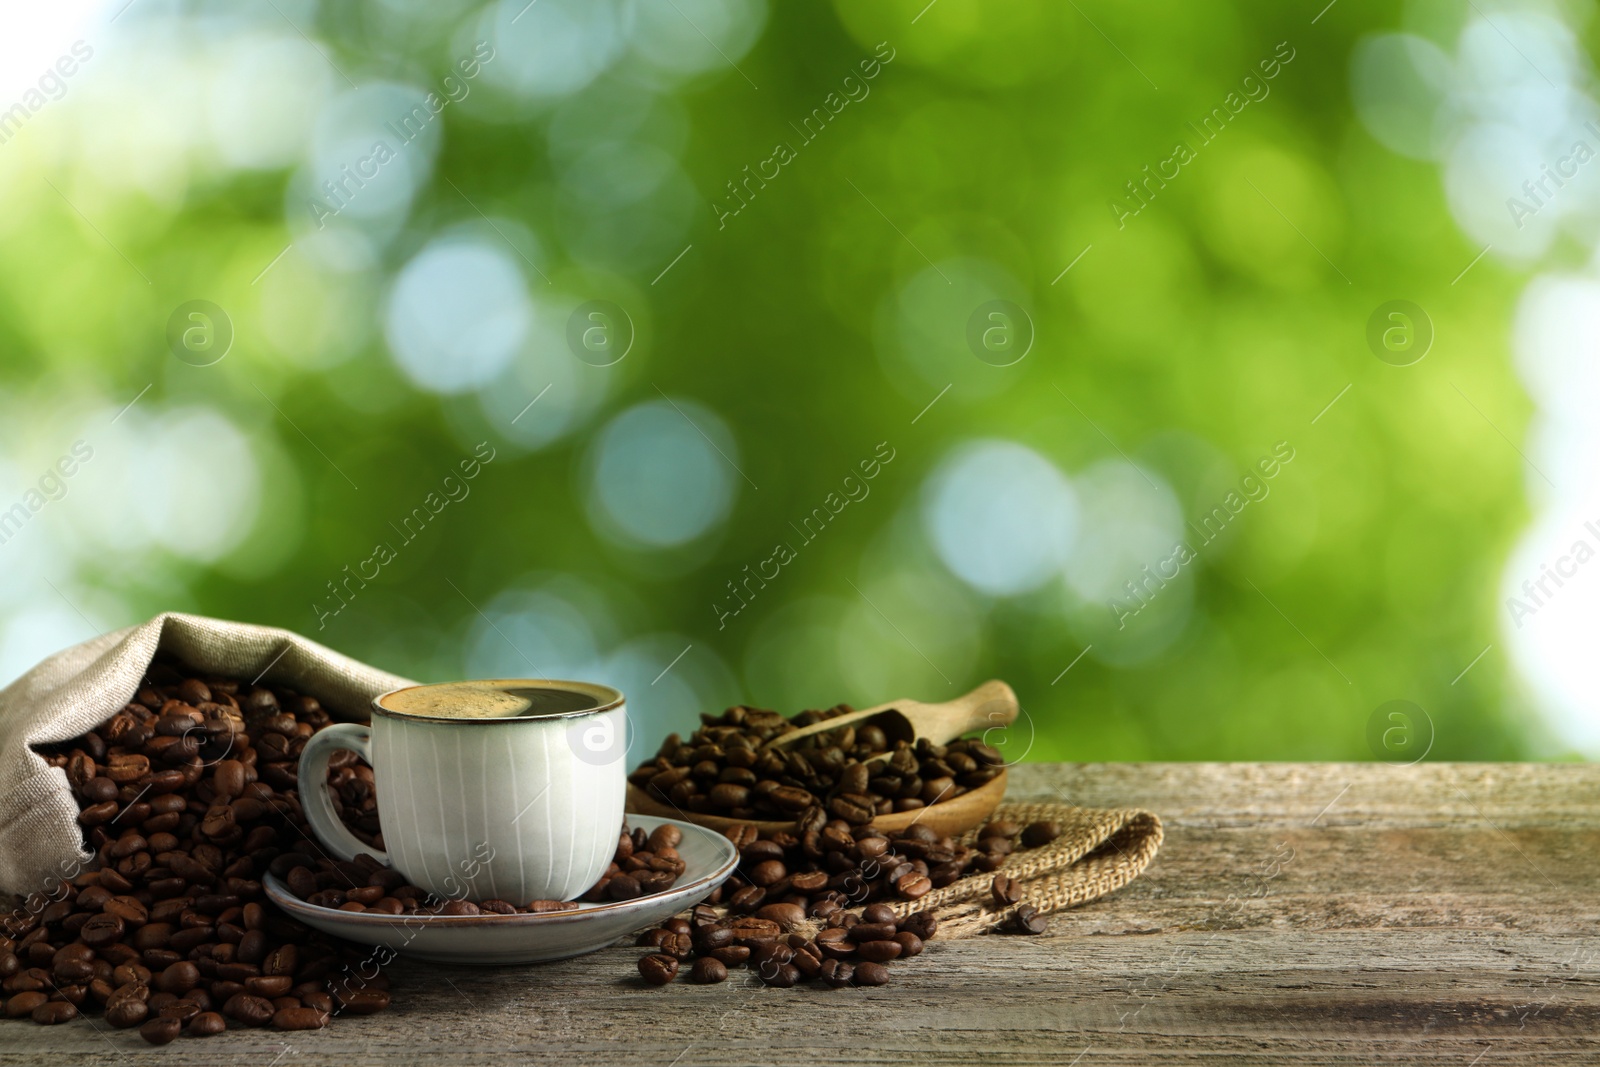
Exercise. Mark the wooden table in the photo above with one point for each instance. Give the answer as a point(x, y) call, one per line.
point(1304, 913)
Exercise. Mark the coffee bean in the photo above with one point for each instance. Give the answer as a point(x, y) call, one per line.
point(678, 946)
point(836, 973)
point(299, 1018)
point(748, 928)
point(1039, 834)
point(54, 1011)
point(667, 836)
point(731, 955)
point(658, 968)
point(282, 960)
point(161, 1031)
point(129, 909)
point(781, 975)
point(248, 1009)
point(767, 872)
point(1005, 890)
point(101, 930)
point(878, 951)
point(808, 959)
point(652, 938)
point(302, 882)
point(868, 973)
point(922, 923)
point(913, 885)
point(269, 986)
point(747, 898)
point(708, 971)
point(178, 978)
point(125, 1013)
point(787, 916)
point(709, 938)
point(23, 1004)
point(1027, 920)
point(206, 1024)
point(362, 1002)
point(872, 932)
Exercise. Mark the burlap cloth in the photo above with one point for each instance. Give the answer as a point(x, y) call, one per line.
point(77, 690)
point(1100, 850)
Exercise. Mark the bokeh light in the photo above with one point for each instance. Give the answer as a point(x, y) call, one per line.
point(401, 317)
point(662, 473)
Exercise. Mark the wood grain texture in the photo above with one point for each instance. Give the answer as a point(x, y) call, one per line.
point(1298, 913)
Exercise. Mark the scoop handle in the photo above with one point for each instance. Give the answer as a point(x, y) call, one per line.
point(990, 705)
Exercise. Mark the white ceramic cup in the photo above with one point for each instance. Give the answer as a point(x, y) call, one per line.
point(517, 809)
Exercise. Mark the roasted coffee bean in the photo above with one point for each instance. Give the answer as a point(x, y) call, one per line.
point(1039, 834)
point(248, 1009)
point(658, 968)
point(913, 885)
point(731, 955)
point(1027, 920)
point(269, 986)
point(1005, 891)
point(206, 1024)
point(52, 1012)
point(179, 978)
point(710, 938)
point(808, 959)
point(877, 913)
point(879, 951)
point(284, 959)
point(678, 946)
point(125, 1013)
point(781, 975)
point(748, 928)
point(872, 932)
point(747, 898)
point(767, 872)
point(922, 923)
point(129, 909)
point(868, 973)
point(22, 1004)
point(161, 1030)
point(361, 1002)
point(299, 1018)
point(653, 938)
point(708, 971)
point(836, 973)
point(787, 916)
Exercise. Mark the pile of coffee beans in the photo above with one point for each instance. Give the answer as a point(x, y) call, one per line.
point(187, 797)
point(356, 796)
point(643, 864)
point(853, 773)
point(816, 903)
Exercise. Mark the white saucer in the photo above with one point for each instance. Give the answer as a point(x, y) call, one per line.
point(490, 940)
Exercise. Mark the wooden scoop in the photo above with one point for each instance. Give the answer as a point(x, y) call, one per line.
point(991, 704)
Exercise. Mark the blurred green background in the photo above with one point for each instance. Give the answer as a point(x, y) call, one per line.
point(672, 278)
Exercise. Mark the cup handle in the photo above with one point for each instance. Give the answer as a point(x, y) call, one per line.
point(316, 797)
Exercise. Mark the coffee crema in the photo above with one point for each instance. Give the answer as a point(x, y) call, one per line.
point(488, 700)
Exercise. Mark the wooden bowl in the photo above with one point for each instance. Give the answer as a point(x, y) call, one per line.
point(951, 817)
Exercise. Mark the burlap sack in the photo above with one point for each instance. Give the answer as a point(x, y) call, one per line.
point(1100, 850)
point(77, 690)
